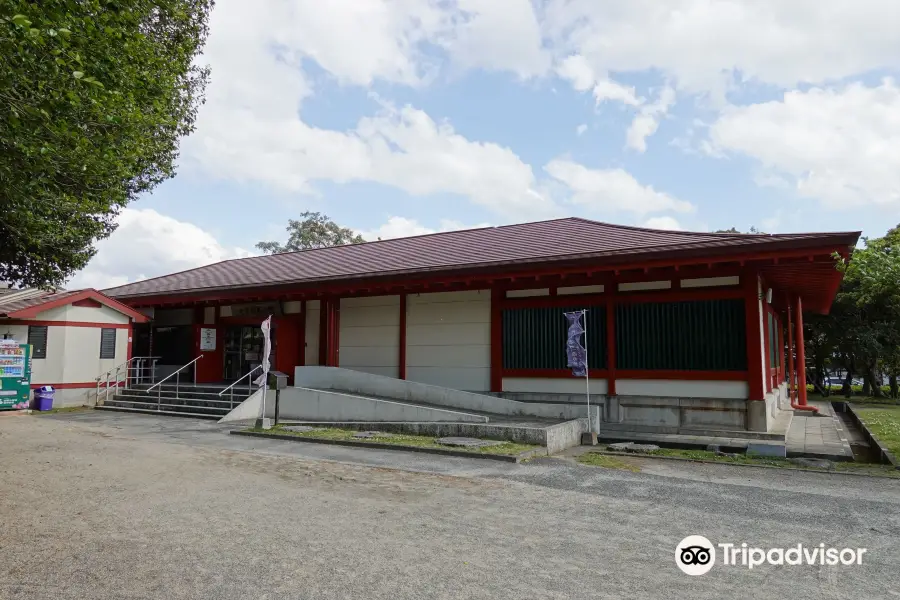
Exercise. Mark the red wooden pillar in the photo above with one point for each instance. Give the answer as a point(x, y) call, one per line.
point(329, 332)
point(497, 295)
point(288, 345)
point(801, 356)
point(401, 370)
point(790, 352)
point(323, 331)
point(611, 338)
point(302, 335)
point(754, 344)
point(766, 349)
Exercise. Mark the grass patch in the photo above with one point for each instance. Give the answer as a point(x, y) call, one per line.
point(855, 399)
point(595, 459)
point(398, 439)
point(61, 409)
point(614, 462)
point(884, 423)
point(743, 459)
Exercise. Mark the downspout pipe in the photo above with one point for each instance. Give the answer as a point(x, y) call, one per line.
point(800, 402)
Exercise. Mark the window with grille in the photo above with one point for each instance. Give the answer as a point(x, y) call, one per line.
point(535, 338)
point(702, 335)
point(107, 343)
point(37, 337)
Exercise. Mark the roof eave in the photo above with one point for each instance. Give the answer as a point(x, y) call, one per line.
point(829, 242)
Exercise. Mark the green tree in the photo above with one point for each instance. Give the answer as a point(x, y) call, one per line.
point(862, 332)
point(314, 231)
point(94, 96)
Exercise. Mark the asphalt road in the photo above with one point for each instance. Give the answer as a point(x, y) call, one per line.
point(101, 505)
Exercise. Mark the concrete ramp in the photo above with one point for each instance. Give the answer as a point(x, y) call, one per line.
point(399, 390)
point(305, 404)
point(246, 411)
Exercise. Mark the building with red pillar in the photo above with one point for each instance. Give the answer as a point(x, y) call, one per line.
point(684, 330)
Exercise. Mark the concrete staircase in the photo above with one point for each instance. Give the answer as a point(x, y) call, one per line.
point(198, 401)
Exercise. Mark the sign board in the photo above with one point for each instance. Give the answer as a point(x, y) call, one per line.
point(207, 339)
point(256, 309)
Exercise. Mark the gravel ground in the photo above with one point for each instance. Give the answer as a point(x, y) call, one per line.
point(102, 505)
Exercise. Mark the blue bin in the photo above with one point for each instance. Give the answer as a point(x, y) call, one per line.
point(43, 397)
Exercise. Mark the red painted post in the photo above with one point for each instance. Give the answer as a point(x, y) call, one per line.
point(790, 352)
point(401, 371)
point(496, 339)
point(611, 338)
point(801, 356)
point(302, 335)
point(754, 346)
point(323, 332)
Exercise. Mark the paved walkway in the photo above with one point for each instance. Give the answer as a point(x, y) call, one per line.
point(822, 436)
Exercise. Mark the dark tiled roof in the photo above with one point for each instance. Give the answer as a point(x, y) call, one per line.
point(559, 240)
point(19, 299)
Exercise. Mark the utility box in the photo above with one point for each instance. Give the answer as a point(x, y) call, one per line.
point(277, 380)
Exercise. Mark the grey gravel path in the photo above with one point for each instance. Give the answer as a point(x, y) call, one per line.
point(99, 505)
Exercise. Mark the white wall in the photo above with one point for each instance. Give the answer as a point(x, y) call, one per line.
point(640, 286)
point(527, 293)
point(448, 339)
point(710, 281)
point(82, 360)
point(313, 308)
point(580, 289)
point(668, 388)
point(370, 335)
point(73, 353)
point(546, 385)
point(103, 314)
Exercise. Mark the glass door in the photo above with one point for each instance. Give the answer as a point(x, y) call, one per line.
point(232, 351)
point(244, 350)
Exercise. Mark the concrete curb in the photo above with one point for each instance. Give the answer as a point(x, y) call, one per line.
point(887, 456)
point(729, 464)
point(381, 446)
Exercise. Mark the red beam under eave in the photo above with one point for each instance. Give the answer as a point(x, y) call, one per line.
point(600, 299)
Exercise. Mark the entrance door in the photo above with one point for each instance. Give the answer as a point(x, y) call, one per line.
point(243, 350)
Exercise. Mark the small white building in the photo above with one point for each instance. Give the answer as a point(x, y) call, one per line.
point(76, 336)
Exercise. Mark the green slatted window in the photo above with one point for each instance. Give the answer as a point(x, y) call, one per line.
point(706, 335)
point(535, 338)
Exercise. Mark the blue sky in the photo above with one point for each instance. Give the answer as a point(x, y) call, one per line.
point(398, 117)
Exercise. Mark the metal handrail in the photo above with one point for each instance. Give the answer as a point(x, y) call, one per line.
point(114, 373)
point(231, 387)
point(177, 376)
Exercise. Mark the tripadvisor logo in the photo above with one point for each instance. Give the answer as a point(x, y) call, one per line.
point(696, 555)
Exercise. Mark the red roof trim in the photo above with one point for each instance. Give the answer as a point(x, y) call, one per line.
point(472, 280)
point(34, 310)
point(544, 244)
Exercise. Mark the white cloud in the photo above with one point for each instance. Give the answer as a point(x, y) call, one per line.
point(667, 223)
point(500, 35)
point(149, 244)
point(841, 146)
point(581, 129)
point(612, 189)
point(250, 128)
point(646, 122)
point(583, 77)
point(397, 227)
point(708, 45)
